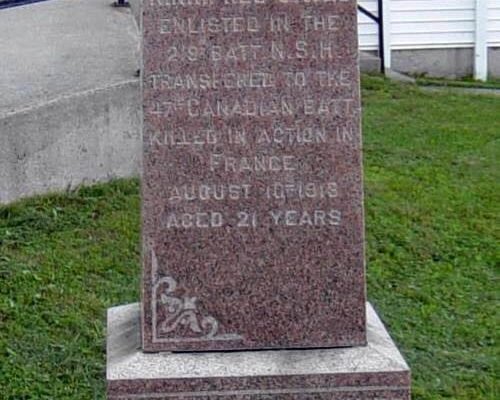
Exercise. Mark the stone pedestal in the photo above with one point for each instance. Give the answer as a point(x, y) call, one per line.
point(375, 371)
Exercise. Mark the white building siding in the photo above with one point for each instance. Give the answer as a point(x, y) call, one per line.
point(417, 24)
point(428, 24)
point(368, 31)
point(494, 23)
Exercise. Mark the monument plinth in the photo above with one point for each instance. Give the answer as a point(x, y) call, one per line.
point(375, 371)
point(253, 235)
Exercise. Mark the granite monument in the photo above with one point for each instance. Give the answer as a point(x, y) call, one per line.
point(253, 236)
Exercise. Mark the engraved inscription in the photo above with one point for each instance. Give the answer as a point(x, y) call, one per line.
point(250, 80)
point(210, 3)
point(275, 51)
point(196, 26)
point(207, 192)
point(255, 94)
point(282, 107)
point(261, 163)
point(252, 219)
point(228, 25)
point(291, 136)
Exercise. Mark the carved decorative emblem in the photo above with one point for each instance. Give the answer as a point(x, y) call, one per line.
point(183, 311)
point(173, 314)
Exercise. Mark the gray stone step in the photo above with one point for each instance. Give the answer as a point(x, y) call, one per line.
point(69, 104)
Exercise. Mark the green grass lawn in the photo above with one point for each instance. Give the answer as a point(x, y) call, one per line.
point(431, 213)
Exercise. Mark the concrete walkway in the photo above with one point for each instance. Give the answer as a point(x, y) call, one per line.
point(69, 95)
point(461, 90)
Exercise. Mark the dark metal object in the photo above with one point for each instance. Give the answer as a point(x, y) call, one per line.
point(379, 20)
point(121, 3)
point(16, 3)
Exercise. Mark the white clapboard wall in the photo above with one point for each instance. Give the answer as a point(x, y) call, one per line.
point(494, 23)
point(430, 24)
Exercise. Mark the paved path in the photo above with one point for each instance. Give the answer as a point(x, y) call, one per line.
point(452, 89)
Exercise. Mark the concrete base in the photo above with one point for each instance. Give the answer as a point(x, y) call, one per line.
point(369, 62)
point(451, 63)
point(376, 371)
point(494, 62)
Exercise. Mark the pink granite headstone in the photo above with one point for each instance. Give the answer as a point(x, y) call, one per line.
point(252, 186)
point(252, 211)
